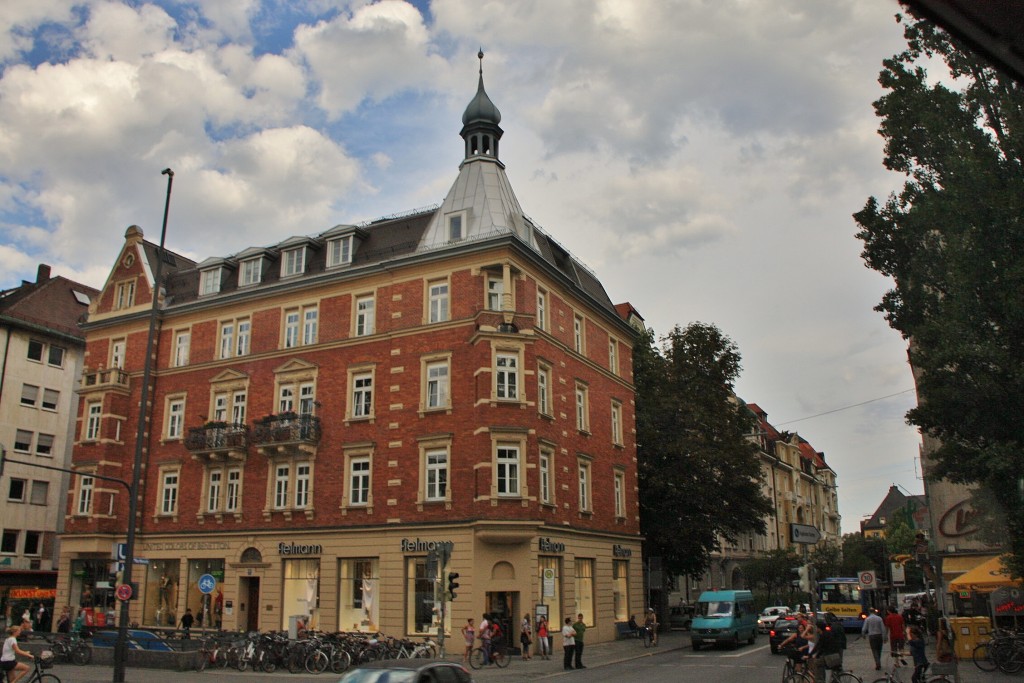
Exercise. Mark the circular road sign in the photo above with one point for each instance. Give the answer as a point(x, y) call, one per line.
point(206, 584)
point(124, 592)
point(867, 579)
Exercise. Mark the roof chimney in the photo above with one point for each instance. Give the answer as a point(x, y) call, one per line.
point(42, 273)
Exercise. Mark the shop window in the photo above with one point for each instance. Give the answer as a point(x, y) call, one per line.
point(550, 582)
point(422, 613)
point(620, 589)
point(207, 608)
point(301, 592)
point(160, 593)
point(585, 590)
point(359, 601)
point(88, 588)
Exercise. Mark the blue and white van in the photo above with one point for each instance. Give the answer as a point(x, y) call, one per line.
point(724, 617)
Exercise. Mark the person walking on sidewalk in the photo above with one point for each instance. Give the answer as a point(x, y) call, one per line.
point(874, 629)
point(468, 635)
point(568, 644)
point(581, 630)
point(915, 641)
point(525, 631)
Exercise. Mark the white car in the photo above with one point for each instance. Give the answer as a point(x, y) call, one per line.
point(768, 615)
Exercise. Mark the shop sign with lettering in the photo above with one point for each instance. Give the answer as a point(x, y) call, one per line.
point(546, 545)
point(300, 548)
point(419, 546)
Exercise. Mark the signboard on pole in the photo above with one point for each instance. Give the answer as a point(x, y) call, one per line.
point(866, 579)
point(804, 533)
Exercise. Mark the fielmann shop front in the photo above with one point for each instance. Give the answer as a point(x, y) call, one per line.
point(378, 581)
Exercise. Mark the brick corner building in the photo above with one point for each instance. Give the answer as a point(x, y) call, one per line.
point(327, 410)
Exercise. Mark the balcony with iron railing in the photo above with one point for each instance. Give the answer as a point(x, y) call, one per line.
point(103, 379)
point(218, 441)
point(286, 434)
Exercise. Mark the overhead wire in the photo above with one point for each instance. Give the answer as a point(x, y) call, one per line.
point(852, 405)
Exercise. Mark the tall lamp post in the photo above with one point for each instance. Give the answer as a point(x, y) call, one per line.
point(121, 646)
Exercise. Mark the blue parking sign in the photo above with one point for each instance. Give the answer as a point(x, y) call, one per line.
point(206, 584)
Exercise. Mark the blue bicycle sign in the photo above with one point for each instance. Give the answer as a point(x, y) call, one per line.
point(207, 584)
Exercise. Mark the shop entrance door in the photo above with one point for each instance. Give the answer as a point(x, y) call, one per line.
point(503, 607)
point(249, 599)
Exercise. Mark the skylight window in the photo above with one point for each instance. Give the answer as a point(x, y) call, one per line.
point(81, 297)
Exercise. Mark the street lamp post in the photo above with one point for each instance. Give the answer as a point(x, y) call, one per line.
point(121, 646)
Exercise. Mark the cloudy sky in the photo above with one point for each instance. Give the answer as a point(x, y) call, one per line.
point(703, 158)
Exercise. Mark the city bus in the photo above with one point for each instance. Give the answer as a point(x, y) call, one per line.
point(843, 597)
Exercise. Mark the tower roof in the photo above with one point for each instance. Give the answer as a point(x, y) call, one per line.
point(480, 109)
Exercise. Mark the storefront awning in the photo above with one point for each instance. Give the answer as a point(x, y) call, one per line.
point(958, 564)
point(985, 577)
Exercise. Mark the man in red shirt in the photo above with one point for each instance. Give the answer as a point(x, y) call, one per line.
point(894, 623)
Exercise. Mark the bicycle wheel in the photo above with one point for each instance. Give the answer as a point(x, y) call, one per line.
point(82, 654)
point(501, 658)
point(1013, 661)
point(845, 677)
point(799, 677)
point(982, 657)
point(296, 662)
point(340, 661)
point(645, 635)
point(267, 662)
point(45, 678)
point(202, 659)
point(317, 662)
point(476, 658)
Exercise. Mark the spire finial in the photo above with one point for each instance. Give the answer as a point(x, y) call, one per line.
point(480, 56)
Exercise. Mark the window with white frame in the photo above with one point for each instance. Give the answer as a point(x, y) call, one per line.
point(542, 309)
point(86, 485)
point(359, 481)
point(362, 395)
point(582, 408)
point(233, 497)
point(35, 350)
point(616, 423)
point(310, 316)
point(44, 444)
point(29, 395)
point(94, 413)
point(214, 489)
point(124, 295)
point(583, 472)
point(339, 251)
point(437, 301)
point(506, 470)
point(620, 494)
point(51, 397)
point(506, 375)
point(577, 334)
point(209, 281)
point(293, 261)
point(365, 317)
point(182, 341)
point(302, 485)
point(117, 351)
point(22, 441)
point(169, 493)
point(495, 289)
point(244, 337)
point(436, 382)
point(282, 477)
point(227, 339)
point(547, 457)
point(613, 356)
point(250, 271)
point(175, 418)
point(55, 357)
point(544, 390)
point(291, 329)
point(437, 474)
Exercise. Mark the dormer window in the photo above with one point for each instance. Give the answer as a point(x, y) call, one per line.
point(293, 262)
point(456, 226)
point(210, 281)
point(251, 272)
point(339, 251)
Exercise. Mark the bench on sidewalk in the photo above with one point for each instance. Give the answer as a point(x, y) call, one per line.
point(624, 630)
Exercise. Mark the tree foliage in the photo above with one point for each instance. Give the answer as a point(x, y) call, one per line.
point(952, 239)
point(773, 573)
point(860, 553)
point(699, 473)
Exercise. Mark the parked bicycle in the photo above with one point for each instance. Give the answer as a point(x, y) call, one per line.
point(1005, 651)
point(70, 648)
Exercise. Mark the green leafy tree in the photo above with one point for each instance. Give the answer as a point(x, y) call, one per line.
point(861, 553)
point(827, 560)
point(772, 573)
point(952, 239)
point(699, 473)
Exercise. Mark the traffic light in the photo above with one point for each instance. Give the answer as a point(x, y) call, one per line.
point(805, 578)
point(452, 584)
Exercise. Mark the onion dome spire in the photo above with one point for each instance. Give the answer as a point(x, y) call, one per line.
point(480, 127)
